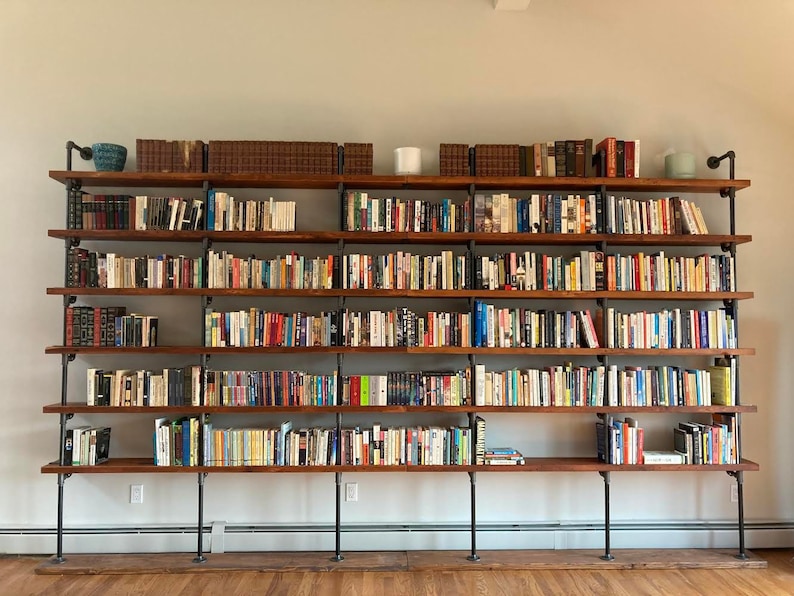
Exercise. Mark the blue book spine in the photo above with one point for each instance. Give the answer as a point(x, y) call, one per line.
point(186, 443)
point(211, 209)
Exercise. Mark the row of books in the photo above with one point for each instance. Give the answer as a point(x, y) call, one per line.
point(265, 157)
point(91, 269)
point(594, 271)
point(276, 157)
point(403, 327)
point(87, 326)
point(570, 214)
point(91, 325)
point(224, 270)
point(225, 213)
point(124, 212)
point(567, 385)
point(270, 388)
point(176, 443)
point(299, 388)
point(619, 441)
point(715, 443)
point(555, 385)
point(407, 446)
point(499, 213)
point(526, 328)
point(166, 387)
point(622, 442)
point(494, 213)
point(489, 326)
point(661, 273)
point(590, 270)
point(572, 158)
point(405, 271)
point(670, 328)
point(86, 446)
point(362, 213)
point(562, 158)
point(587, 271)
point(411, 388)
point(157, 155)
point(586, 214)
point(257, 327)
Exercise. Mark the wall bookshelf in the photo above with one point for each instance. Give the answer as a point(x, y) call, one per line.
point(339, 241)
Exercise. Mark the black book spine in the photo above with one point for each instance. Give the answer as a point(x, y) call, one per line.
point(570, 158)
point(589, 164)
point(621, 158)
point(68, 443)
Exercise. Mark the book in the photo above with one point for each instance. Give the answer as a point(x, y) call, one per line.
point(102, 449)
point(609, 146)
point(663, 457)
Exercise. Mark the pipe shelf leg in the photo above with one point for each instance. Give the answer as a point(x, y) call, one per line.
point(607, 556)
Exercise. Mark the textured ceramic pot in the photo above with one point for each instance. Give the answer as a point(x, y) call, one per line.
point(109, 157)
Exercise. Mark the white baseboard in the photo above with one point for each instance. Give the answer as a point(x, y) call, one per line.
point(399, 537)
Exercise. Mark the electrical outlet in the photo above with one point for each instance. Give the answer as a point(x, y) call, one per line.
point(351, 491)
point(136, 493)
point(734, 493)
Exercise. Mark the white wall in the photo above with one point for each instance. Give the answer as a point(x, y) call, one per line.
point(701, 76)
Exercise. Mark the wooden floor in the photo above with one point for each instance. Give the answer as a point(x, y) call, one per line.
point(18, 577)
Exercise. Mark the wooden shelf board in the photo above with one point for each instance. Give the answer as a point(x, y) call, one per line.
point(82, 408)
point(461, 238)
point(400, 350)
point(127, 292)
point(374, 293)
point(195, 180)
point(684, 558)
point(417, 561)
point(540, 464)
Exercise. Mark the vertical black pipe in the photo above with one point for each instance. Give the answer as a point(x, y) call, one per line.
point(338, 480)
point(200, 558)
point(607, 556)
point(742, 554)
point(473, 480)
point(59, 537)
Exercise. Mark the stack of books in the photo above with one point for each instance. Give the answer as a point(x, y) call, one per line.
point(503, 456)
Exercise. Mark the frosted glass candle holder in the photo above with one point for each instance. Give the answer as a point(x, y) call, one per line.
point(407, 160)
point(679, 165)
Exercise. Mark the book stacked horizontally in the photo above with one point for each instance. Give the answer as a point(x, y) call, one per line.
point(503, 456)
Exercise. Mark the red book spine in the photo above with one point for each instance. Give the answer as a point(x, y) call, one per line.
point(628, 154)
point(610, 147)
point(69, 326)
point(97, 326)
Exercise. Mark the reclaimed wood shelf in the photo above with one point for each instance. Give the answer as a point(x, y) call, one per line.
point(332, 182)
point(134, 465)
point(82, 408)
point(447, 238)
point(381, 293)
